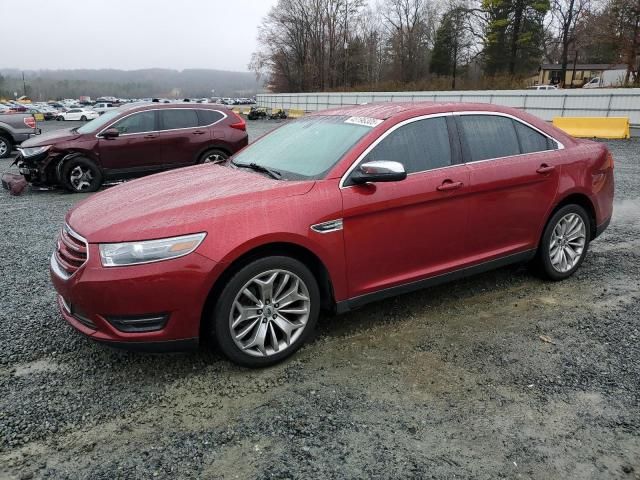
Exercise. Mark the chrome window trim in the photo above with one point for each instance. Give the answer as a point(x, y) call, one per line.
point(224, 115)
point(447, 114)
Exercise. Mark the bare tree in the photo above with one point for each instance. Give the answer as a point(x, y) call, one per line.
point(567, 14)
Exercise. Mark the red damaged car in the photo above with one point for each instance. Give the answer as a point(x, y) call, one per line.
point(131, 141)
point(332, 211)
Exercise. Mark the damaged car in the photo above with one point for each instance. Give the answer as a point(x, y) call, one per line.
point(131, 141)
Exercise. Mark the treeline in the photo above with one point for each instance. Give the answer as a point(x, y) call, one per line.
point(55, 84)
point(315, 45)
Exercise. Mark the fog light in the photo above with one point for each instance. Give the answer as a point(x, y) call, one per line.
point(139, 323)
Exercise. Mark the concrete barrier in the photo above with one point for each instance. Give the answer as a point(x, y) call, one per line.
point(594, 127)
point(295, 113)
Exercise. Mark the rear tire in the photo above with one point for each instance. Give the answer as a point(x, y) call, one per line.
point(564, 243)
point(81, 175)
point(59, 118)
point(266, 311)
point(213, 156)
point(5, 146)
point(83, 118)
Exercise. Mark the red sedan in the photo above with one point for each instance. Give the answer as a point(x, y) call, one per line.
point(332, 211)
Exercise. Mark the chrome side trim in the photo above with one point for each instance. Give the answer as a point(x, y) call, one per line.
point(328, 227)
point(446, 114)
point(224, 115)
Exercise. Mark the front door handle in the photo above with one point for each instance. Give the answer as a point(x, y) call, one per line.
point(150, 136)
point(449, 185)
point(544, 168)
point(198, 132)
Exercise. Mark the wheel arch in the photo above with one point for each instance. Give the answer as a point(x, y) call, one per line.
point(217, 146)
point(7, 134)
point(293, 250)
point(583, 200)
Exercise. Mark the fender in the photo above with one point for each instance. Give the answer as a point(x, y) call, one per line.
point(66, 158)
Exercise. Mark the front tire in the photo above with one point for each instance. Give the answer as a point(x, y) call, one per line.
point(59, 118)
point(83, 118)
point(5, 147)
point(81, 175)
point(266, 311)
point(564, 243)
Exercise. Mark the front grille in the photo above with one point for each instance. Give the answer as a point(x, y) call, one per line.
point(71, 252)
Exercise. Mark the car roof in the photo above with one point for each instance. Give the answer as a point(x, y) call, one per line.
point(140, 106)
point(386, 110)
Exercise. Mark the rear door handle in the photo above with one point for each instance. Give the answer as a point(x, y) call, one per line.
point(151, 135)
point(449, 185)
point(544, 168)
point(198, 132)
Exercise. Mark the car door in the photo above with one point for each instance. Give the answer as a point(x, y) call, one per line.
point(73, 114)
point(400, 232)
point(514, 171)
point(138, 147)
point(181, 136)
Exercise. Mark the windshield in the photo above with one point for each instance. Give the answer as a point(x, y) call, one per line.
point(99, 122)
point(307, 148)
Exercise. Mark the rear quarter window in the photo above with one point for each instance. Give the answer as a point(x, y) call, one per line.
point(207, 117)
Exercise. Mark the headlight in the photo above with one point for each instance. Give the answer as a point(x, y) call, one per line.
point(134, 253)
point(33, 151)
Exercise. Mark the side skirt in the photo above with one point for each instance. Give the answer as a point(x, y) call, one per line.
point(356, 302)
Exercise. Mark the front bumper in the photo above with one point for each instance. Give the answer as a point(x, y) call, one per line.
point(94, 296)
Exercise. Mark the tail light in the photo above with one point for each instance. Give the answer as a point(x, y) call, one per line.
point(30, 122)
point(240, 124)
point(609, 162)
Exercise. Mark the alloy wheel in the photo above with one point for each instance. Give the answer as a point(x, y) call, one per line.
point(4, 147)
point(568, 240)
point(269, 313)
point(80, 178)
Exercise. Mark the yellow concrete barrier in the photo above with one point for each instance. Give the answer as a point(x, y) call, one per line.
point(293, 113)
point(589, 127)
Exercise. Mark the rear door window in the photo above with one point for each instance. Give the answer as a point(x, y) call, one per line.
point(137, 123)
point(419, 146)
point(174, 118)
point(488, 136)
point(207, 117)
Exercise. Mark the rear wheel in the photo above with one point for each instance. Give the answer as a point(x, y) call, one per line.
point(5, 147)
point(213, 156)
point(266, 311)
point(81, 175)
point(59, 118)
point(565, 242)
point(83, 118)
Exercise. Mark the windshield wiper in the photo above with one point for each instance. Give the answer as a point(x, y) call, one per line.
point(260, 168)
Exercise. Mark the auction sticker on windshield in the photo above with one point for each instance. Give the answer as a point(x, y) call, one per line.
point(365, 121)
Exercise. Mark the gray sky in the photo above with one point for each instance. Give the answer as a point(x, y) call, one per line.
point(130, 34)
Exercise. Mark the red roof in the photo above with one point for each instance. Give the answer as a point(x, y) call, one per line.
point(385, 110)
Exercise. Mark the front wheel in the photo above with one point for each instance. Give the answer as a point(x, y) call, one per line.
point(266, 311)
point(59, 118)
point(81, 175)
point(564, 243)
point(83, 118)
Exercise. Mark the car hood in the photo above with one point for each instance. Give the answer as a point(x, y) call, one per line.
point(179, 202)
point(50, 138)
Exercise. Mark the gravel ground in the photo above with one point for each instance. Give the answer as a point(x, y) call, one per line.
point(450, 382)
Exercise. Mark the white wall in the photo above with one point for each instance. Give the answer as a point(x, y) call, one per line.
point(601, 102)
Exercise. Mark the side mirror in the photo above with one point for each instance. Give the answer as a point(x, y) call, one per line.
point(379, 171)
point(111, 133)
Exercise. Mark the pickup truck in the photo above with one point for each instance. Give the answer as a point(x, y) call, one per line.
point(14, 129)
point(102, 107)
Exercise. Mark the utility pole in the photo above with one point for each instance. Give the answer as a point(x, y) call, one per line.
point(346, 44)
point(24, 86)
